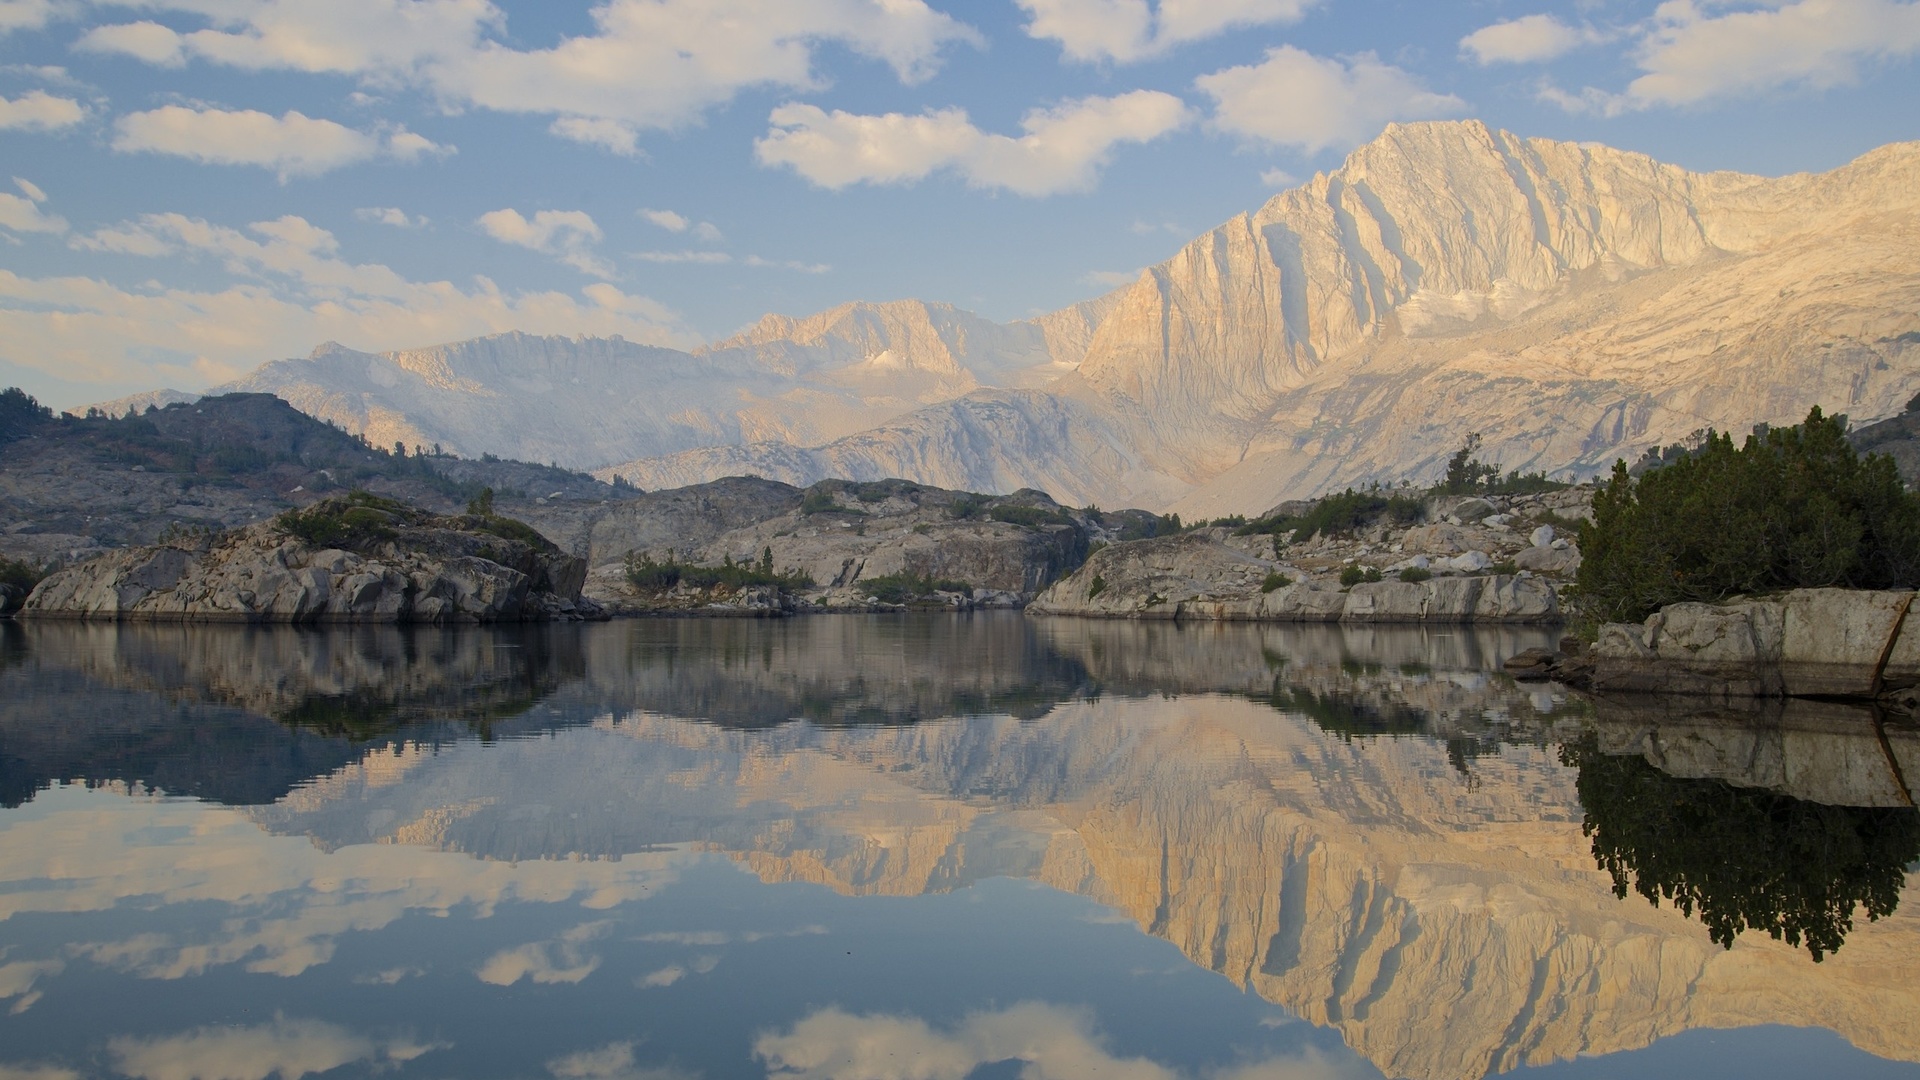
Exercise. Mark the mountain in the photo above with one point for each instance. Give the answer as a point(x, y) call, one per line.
point(582, 402)
point(1570, 302)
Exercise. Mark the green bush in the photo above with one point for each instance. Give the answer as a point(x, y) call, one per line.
point(1030, 517)
point(1342, 513)
point(1099, 586)
point(901, 588)
point(1354, 574)
point(1415, 574)
point(22, 576)
point(356, 521)
point(1507, 568)
point(966, 506)
point(645, 574)
point(818, 501)
point(1275, 580)
point(1794, 507)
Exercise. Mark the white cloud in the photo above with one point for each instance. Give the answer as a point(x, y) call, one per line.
point(24, 215)
point(567, 235)
point(287, 1049)
point(37, 110)
point(1526, 40)
point(391, 215)
point(1278, 178)
point(667, 220)
point(1063, 148)
point(144, 40)
point(1690, 56)
point(787, 264)
point(710, 257)
point(616, 136)
point(293, 144)
point(1127, 30)
point(675, 222)
point(563, 960)
point(1298, 99)
point(648, 63)
point(292, 290)
point(25, 14)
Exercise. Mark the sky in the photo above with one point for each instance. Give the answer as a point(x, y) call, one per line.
point(190, 188)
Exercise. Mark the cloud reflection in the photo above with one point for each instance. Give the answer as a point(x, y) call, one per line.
point(1055, 1043)
point(289, 1049)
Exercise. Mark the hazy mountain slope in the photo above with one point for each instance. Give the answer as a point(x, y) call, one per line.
point(990, 440)
point(591, 401)
point(1570, 302)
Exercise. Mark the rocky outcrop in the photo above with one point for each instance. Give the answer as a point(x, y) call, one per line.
point(390, 563)
point(1199, 576)
point(1804, 643)
point(842, 541)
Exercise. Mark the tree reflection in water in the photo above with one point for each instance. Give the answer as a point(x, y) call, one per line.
point(1742, 858)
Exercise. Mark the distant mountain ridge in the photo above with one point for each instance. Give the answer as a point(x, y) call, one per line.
point(1570, 302)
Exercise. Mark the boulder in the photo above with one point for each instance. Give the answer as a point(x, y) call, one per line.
point(1841, 643)
point(414, 568)
point(1546, 559)
point(1541, 537)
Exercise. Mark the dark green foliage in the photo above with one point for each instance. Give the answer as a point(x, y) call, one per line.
point(903, 588)
point(649, 576)
point(1506, 568)
point(1742, 858)
point(1343, 513)
point(1913, 403)
point(819, 501)
point(1795, 507)
point(1099, 586)
point(20, 414)
point(1467, 473)
point(1139, 525)
point(1353, 574)
point(356, 522)
point(21, 576)
point(1415, 574)
point(512, 529)
point(1030, 517)
point(1275, 580)
point(967, 506)
point(481, 505)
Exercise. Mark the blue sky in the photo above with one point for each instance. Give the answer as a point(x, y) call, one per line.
point(193, 187)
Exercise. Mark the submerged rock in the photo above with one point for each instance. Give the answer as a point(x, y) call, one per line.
point(355, 559)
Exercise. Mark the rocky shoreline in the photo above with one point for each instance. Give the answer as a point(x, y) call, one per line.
point(360, 559)
point(1820, 644)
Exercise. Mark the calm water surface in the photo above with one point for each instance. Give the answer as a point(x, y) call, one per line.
point(928, 848)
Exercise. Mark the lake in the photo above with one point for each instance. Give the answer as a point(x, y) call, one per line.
point(929, 848)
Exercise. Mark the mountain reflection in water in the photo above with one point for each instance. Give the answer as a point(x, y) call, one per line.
point(1367, 827)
